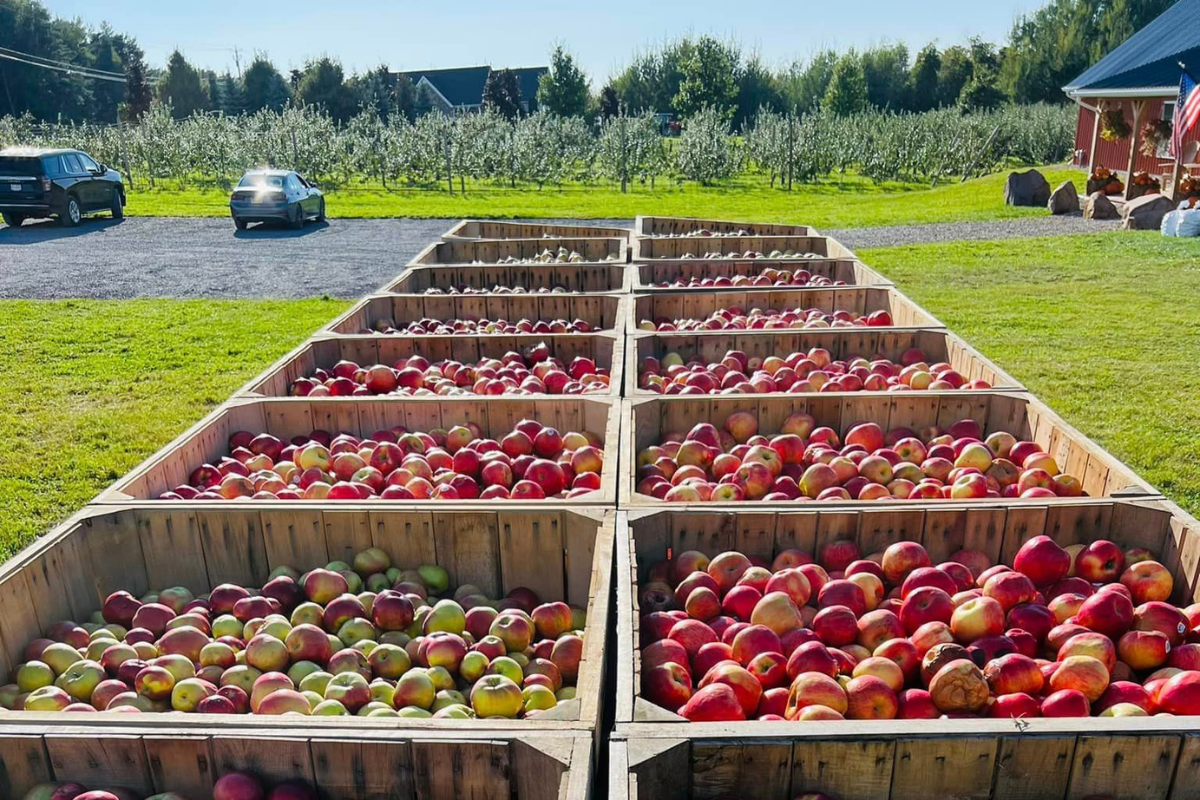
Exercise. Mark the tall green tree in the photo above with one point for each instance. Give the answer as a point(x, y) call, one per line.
point(564, 89)
point(1049, 47)
point(609, 103)
point(323, 85)
point(923, 79)
point(502, 93)
point(181, 87)
point(982, 91)
point(804, 84)
point(138, 92)
point(263, 86)
point(847, 93)
point(953, 74)
point(757, 87)
point(708, 78)
point(885, 69)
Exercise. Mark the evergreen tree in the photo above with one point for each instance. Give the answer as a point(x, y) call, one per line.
point(263, 86)
point(323, 85)
point(180, 87)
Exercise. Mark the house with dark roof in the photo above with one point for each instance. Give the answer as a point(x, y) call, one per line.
point(460, 90)
point(1140, 78)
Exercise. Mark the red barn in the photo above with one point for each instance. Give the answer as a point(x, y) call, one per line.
point(1141, 79)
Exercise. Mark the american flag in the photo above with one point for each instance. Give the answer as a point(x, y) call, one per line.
point(1187, 112)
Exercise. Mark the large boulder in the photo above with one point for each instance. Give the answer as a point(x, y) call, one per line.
point(1146, 213)
point(1026, 189)
point(1065, 199)
point(1098, 206)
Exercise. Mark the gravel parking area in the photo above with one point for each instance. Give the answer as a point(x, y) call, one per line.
point(863, 238)
point(177, 257)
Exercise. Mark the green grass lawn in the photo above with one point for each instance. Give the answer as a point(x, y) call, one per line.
point(1104, 328)
point(847, 203)
point(96, 386)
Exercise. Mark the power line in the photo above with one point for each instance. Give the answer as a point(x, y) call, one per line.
point(72, 70)
point(68, 64)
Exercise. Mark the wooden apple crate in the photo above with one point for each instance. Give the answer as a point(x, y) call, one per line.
point(604, 249)
point(656, 755)
point(855, 299)
point(938, 344)
point(285, 418)
point(506, 229)
point(853, 273)
point(602, 312)
point(606, 278)
point(147, 758)
point(563, 554)
point(607, 349)
point(675, 226)
point(647, 248)
point(1022, 415)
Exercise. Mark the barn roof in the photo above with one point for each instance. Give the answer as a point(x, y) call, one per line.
point(1147, 63)
point(461, 86)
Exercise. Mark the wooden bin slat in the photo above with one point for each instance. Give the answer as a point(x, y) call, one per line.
point(861, 300)
point(149, 759)
point(285, 418)
point(560, 554)
point(647, 273)
point(591, 278)
point(937, 344)
point(655, 754)
point(668, 226)
point(492, 251)
point(504, 229)
point(602, 312)
point(647, 420)
point(606, 349)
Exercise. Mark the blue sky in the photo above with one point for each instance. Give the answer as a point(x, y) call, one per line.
point(602, 35)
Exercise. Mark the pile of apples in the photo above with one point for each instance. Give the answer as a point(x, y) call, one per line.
point(774, 254)
point(736, 318)
point(814, 371)
point(804, 462)
point(532, 462)
point(231, 786)
point(560, 256)
point(368, 640)
point(768, 277)
point(533, 372)
point(464, 288)
point(435, 327)
point(1086, 630)
point(702, 233)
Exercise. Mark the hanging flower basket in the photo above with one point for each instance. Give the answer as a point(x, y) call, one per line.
point(1154, 134)
point(1114, 126)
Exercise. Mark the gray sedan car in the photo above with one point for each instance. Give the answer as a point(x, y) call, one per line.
point(275, 195)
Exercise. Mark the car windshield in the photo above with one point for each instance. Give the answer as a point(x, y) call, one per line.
point(24, 167)
point(261, 181)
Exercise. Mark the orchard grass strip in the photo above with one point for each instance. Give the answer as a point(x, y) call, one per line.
point(94, 386)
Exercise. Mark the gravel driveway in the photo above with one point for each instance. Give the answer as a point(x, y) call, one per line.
point(187, 257)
